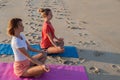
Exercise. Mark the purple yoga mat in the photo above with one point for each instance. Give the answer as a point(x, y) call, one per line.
point(57, 72)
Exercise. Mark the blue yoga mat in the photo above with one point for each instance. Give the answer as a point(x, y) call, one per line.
point(70, 51)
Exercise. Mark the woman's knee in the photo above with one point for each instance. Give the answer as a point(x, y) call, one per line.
point(60, 50)
point(55, 50)
point(33, 71)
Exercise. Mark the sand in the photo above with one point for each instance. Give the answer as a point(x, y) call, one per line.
point(91, 26)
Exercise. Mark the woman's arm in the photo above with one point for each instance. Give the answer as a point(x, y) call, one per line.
point(56, 38)
point(24, 52)
point(32, 49)
point(59, 39)
point(51, 40)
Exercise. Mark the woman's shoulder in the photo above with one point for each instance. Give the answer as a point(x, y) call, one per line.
point(46, 23)
point(15, 40)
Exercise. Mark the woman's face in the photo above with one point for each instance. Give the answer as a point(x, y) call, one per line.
point(50, 15)
point(20, 26)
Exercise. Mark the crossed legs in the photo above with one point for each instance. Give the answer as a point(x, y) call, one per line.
point(59, 49)
point(35, 70)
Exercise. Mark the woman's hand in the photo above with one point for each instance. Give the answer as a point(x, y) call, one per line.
point(59, 47)
point(60, 39)
point(46, 68)
point(43, 51)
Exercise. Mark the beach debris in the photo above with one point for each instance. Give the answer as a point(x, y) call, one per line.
point(95, 70)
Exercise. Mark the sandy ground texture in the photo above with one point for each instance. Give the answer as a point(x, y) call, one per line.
point(91, 26)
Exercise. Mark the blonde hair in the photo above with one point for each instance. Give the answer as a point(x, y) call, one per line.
point(44, 12)
point(12, 25)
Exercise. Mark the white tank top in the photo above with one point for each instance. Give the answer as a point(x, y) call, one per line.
point(18, 43)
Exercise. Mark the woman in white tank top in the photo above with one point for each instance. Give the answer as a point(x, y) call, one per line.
point(24, 64)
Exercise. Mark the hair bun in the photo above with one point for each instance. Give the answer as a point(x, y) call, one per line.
point(41, 10)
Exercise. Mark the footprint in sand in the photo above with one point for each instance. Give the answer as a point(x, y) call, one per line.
point(58, 17)
point(82, 60)
point(83, 34)
point(92, 42)
point(86, 43)
point(95, 70)
point(69, 19)
point(6, 41)
point(67, 22)
point(80, 42)
point(58, 59)
point(74, 27)
point(68, 27)
point(26, 23)
point(98, 54)
point(84, 22)
point(69, 62)
point(3, 55)
point(116, 67)
point(80, 34)
point(70, 42)
point(2, 5)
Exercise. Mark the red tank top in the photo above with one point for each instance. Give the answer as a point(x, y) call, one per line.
point(47, 28)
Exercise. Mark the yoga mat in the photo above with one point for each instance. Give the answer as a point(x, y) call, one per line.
point(70, 51)
point(57, 72)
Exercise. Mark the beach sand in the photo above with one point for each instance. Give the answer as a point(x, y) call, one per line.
point(91, 26)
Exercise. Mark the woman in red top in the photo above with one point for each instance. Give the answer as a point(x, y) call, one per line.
point(49, 41)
